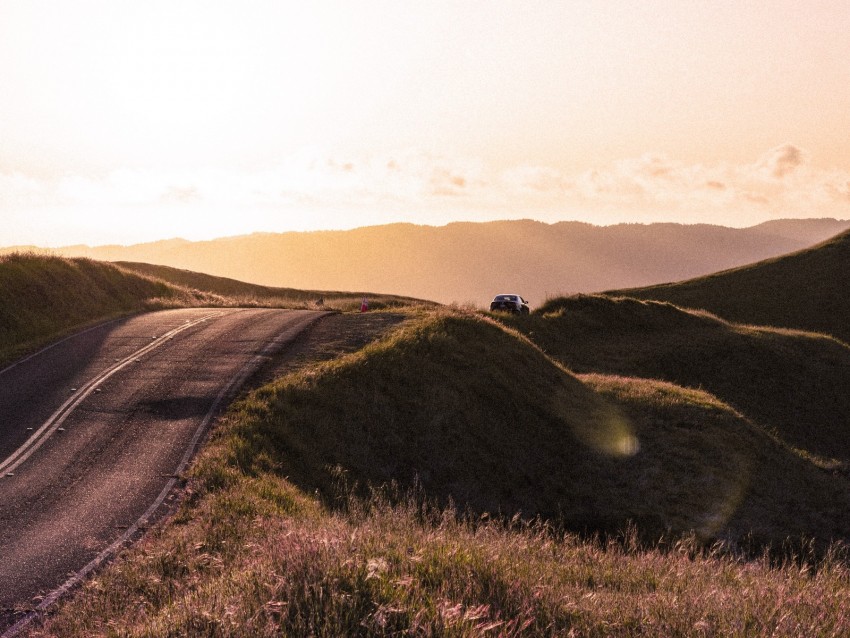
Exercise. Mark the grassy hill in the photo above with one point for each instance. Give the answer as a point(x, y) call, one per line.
point(805, 290)
point(247, 294)
point(43, 297)
point(476, 414)
point(276, 538)
point(795, 384)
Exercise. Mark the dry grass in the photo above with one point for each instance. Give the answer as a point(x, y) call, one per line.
point(44, 297)
point(260, 558)
point(252, 295)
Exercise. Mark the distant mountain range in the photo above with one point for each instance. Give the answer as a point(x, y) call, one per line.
point(470, 262)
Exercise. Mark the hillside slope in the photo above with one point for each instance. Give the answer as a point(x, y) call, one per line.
point(248, 294)
point(471, 262)
point(43, 297)
point(479, 415)
point(805, 290)
point(795, 384)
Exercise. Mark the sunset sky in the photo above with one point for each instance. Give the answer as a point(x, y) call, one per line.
point(123, 121)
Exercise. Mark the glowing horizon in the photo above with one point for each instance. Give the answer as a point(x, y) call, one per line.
point(123, 122)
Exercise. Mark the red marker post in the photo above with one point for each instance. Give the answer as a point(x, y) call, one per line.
point(364, 305)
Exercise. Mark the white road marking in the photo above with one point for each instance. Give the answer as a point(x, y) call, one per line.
point(235, 382)
point(57, 418)
point(56, 343)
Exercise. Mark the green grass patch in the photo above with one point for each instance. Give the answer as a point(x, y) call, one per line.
point(705, 467)
point(806, 290)
point(794, 384)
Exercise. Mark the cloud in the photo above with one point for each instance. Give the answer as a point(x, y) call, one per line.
point(652, 187)
point(445, 183)
point(409, 178)
point(19, 190)
point(651, 179)
point(318, 189)
point(181, 194)
point(535, 180)
point(782, 161)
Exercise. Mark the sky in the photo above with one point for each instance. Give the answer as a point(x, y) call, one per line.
point(125, 121)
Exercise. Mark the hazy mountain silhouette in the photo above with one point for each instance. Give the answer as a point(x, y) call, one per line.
point(470, 262)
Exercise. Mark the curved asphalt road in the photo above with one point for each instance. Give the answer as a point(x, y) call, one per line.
point(94, 429)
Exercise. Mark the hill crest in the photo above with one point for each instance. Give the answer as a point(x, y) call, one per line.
point(805, 290)
point(470, 262)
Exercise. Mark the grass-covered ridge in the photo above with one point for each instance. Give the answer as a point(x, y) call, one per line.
point(453, 402)
point(247, 294)
point(477, 414)
point(794, 384)
point(43, 297)
point(268, 545)
point(806, 290)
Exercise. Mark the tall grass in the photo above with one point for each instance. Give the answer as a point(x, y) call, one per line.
point(261, 558)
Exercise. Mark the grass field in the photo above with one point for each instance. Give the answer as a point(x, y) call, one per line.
point(796, 385)
point(279, 534)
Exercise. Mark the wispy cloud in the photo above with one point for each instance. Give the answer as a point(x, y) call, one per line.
point(324, 190)
point(783, 182)
point(782, 161)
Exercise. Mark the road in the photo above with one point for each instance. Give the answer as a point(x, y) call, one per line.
point(94, 430)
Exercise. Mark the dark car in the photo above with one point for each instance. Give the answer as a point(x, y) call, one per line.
point(509, 303)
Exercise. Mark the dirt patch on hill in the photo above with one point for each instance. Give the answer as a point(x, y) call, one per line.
point(334, 335)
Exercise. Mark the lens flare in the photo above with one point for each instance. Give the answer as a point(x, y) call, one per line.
point(607, 430)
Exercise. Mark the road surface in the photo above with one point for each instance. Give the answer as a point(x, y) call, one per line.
point(94, 430)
